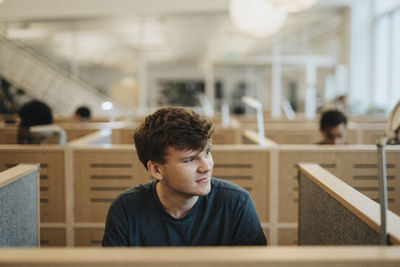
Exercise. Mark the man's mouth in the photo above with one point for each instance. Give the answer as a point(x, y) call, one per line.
point(203, 180)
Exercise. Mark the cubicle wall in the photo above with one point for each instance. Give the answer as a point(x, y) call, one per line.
point(8, 134)
point(331, 212)
point(79, 181)
point(229, 135)
point(355, 165)
point(99, 176)
point(306, 135)
point(52, 185)
point(19, 206)
point(308, 132)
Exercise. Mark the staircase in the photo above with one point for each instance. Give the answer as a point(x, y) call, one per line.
point(43, 80)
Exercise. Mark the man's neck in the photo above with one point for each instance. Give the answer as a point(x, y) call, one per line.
point(177, 205)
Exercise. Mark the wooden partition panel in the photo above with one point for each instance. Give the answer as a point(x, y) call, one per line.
point(100, 174)
point(247, 166)
point(75, 133)
point(52, 237)
point(323, 220)
point(289, 156)
point(89, 236)
point(122, 136)
point(221, 135)
point(371, 136)
point(227, 136)
point(52, 181)
point(308, 132)
point(294, 136)
point(360, 170)
point(334, 213)
point(8, 134)
point(355, 165)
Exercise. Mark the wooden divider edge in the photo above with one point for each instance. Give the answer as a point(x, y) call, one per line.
point(215, 256)
point(13, 174)
point(360, 205)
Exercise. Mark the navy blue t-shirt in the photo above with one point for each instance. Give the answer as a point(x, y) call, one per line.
point(224, 217)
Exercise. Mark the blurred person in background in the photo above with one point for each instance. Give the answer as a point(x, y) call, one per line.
point(333, 127)
point(82, 114)
point(33, 113)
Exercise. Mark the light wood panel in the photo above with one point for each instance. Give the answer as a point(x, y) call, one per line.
point(52, 197)
point(88, 237)
point(8, 134)
point(201, 257)
point(231, 135)
point(288, 237)
point(247, 168)
point(355, 165)
point(50, 237)
point(122, 136)
point(294, 136)
point(99, 176)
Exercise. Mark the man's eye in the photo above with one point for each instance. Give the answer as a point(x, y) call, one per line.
point(189, 160)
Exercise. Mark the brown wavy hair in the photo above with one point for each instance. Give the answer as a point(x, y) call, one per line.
point(179, 128)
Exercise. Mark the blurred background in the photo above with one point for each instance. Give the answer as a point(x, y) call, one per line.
point(297, 55)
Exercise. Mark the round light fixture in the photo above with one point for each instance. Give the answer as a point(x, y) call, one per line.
point(293, 5)
point(256, 17)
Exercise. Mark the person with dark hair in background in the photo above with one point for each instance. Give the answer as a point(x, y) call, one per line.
point(82, 114)
point(31, 114)
point(184, 205)
point(333, 127)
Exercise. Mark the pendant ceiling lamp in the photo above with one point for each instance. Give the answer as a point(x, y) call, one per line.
point(257, 18)
point(293, 5)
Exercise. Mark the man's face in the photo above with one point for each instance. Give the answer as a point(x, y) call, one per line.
point(335, 135)
point(187, 172)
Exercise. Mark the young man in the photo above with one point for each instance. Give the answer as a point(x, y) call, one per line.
point(333, 125)
point(184, 205)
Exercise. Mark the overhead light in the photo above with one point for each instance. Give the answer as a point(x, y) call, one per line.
point(107, 105)
point(256, 17)
point(292, 5)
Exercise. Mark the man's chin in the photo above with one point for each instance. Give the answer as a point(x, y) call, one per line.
point(205, 192)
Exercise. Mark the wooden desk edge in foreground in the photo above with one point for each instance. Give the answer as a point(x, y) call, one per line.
point(204, 256)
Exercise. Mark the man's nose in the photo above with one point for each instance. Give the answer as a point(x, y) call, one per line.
point(206, 164)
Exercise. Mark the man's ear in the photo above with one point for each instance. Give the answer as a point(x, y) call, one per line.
point(155, 169)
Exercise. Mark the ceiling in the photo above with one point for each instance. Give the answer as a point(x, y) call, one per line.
point(118, 34)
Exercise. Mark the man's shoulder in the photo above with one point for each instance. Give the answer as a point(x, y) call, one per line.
point(139, 192)
point(226, 187)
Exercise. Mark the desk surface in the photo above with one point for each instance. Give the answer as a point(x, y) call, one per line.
point(206, 256)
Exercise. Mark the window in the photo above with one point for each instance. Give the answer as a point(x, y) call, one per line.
point(386, 67)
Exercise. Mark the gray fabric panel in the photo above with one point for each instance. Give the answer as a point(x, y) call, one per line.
point(324, 221)
point(19, 213)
